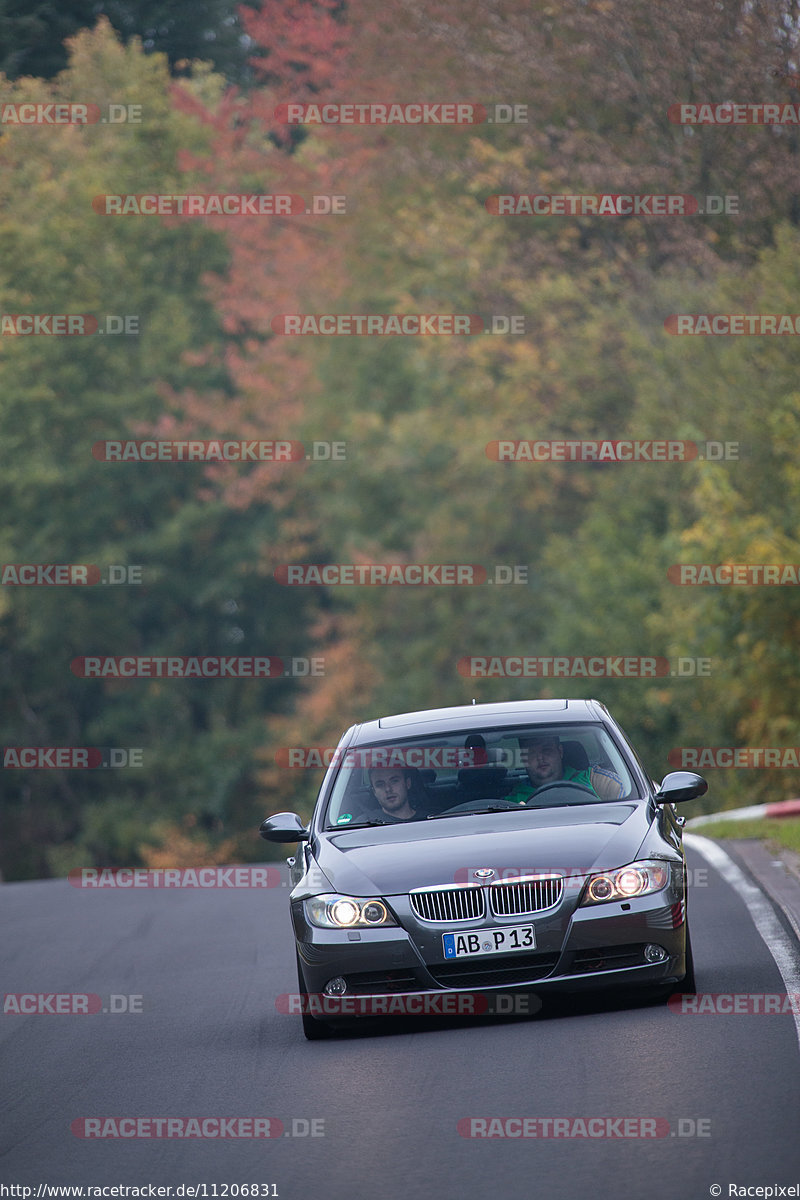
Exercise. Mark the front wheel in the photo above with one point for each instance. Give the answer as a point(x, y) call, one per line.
point(314, 1029)
point(687, 985)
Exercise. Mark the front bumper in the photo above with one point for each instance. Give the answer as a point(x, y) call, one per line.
point(587, 948)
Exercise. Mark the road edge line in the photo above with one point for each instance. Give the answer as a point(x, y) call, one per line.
point(759, 905)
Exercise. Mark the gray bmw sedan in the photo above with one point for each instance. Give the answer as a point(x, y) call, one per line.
point(471, 859)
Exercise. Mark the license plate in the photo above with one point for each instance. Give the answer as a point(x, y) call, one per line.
point(489, 941)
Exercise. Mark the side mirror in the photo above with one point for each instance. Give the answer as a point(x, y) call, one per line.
point(679, 786)
point(284, 827)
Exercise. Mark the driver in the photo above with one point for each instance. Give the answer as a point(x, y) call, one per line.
point(392, 788)
point(543, 758)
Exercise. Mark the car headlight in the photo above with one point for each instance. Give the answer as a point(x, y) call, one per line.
point(346, 912)
point(637, 879)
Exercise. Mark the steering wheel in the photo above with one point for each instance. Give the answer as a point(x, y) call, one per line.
point(561, 783)
point(478, 805)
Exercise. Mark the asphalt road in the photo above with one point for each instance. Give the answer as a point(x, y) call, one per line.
point(385, 1105)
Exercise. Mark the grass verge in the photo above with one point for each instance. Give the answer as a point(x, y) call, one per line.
point(783, 831)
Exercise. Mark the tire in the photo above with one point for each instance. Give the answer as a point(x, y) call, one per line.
point(314, 1029)
point(688, 985)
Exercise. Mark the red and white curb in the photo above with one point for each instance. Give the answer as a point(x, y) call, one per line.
point(781, 808)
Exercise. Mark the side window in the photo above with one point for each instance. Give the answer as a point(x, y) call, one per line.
point(607, 758)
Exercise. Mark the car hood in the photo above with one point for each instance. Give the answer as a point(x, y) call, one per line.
point(390, 860)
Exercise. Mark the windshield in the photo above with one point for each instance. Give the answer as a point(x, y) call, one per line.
point(447, 775)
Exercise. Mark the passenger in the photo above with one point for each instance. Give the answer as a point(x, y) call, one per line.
point(543, 757)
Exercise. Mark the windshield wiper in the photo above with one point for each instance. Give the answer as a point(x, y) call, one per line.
point(362, 824)
point(472, 812)
point(565, 804)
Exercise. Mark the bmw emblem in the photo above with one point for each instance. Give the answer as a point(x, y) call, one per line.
point(484, 873)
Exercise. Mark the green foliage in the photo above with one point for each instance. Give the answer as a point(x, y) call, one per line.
point(784, 832)
point(417, 414)
point(203, 590)
point(33, 34)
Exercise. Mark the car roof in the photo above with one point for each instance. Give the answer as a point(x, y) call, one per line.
point(468, 716)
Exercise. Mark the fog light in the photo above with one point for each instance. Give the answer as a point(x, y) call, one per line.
point(655, 954)
point(335, 987)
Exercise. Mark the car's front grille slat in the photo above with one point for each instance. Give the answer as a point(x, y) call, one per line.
point(513, 898)
point(607, 958)
point(381, 982)
point(494, 972)
point(448, 905)
point(516, 899)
